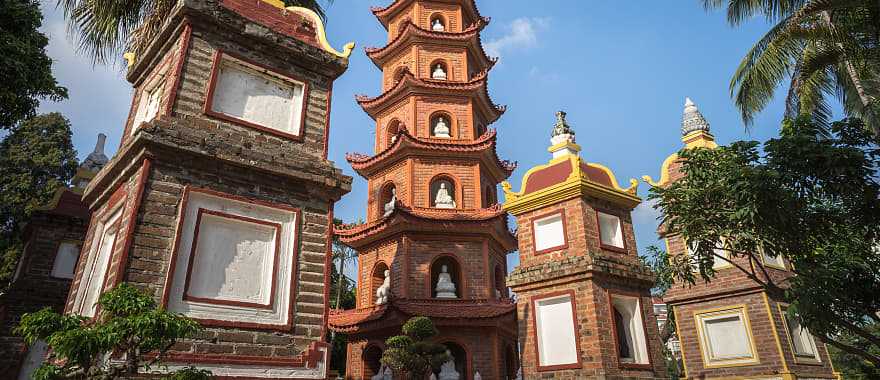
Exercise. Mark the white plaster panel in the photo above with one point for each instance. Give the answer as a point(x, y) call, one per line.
point(549, 232)
point(554, 324)
point(259, 98)
point(634, 328)
point(64, 265)
point(235, 235)
point(609, 230)
point(92, 281)
point(233, 261)
point(725, 338)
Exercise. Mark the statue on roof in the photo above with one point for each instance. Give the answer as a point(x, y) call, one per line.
point(97, 159)
point(561, 127)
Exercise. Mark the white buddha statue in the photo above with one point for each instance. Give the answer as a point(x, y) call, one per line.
point(384, 374)
point(441, 129)
point(437, 25)
point(389, 207)
point(384, 291)
point(432, 377)
point(445, 287)
point(438, 73)
point(443, 199)
point(447, 370)
point(477, 376)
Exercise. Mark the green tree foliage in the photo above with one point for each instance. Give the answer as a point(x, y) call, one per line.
point(24, 66)
point(413, 353)
point(129, 323)
point(810, 196)
point(853, 367)
point(342, 289)
point(36, 158)
point(107, 28)
point(825, 48)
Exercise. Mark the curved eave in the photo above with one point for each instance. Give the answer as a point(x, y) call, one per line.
point(352, 321)
point(412, 33)
point(483, 147)
point(431, 220)
point(476, 88)
point(387, 13)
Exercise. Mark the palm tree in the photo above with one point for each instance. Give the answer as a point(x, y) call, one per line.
point(105, 29)
point(825, 48)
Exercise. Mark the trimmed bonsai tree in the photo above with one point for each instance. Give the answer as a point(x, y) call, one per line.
point(130, 327)
point(413, 353)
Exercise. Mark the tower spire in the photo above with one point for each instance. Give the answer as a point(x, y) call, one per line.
point(692, 120)
point(97, 159)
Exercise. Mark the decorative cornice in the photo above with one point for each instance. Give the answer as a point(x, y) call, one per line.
point(426, 220)
point(472, 309)
point(410, 32)
point(476, 88)
point(484, 147)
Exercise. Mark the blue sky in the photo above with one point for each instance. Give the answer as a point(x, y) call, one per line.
point(621, 69)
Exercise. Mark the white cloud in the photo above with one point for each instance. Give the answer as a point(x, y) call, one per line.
point(521, 34)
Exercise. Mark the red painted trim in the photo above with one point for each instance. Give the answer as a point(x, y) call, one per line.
point(564, 245)
point(169, 278)
point(326, 121)
point(70, 302)
point(212, 83)
point(328, 261)
point(109, 259)
point(577, 336)
point(186, 38)
point(194, 250)
point(602, 245)
point(461, 276)
point(132, 220)
point(641, 304)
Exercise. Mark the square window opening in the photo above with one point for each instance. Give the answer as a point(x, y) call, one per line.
point(555, 331)
point(610, 232)
point(629, 326)
point(549, 232)
point(725, 338)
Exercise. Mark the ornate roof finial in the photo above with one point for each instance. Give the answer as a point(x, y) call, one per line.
point(562, 138)
point(692, 120)
point(561, 127)
point(96, 160)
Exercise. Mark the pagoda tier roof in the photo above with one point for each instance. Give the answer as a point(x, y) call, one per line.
point(387, 13)
point(441, 311)
point(476, 88)
point(412, 33)
point(459, 222)
point(407, 144)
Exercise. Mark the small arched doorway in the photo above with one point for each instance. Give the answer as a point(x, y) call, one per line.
point(387, 194)
point(371, 358)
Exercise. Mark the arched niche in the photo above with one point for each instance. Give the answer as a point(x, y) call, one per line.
point(387, 192)
point(438, 23)
point(377, 277)
point(454, 270)
point(371, 358)
point(399, 73)
point(489, 196)
point(394, 127)
point(439, 70)
point(479, 130)
point(499, 283)
point(443, 192)
point(441, 125)
point(462, 359)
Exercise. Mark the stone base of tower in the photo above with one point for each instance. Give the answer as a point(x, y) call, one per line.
point(772, 351)
point(482, 337)
point(590, 283)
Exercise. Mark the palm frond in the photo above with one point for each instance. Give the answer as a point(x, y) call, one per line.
point(739, 11)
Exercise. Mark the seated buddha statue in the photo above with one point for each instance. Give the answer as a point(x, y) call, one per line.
point(443, 199)
point(445, 287)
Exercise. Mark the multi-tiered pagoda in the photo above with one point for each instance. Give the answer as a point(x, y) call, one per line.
point(435, 240)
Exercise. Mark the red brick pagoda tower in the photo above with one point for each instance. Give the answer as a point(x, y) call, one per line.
point(433, 222)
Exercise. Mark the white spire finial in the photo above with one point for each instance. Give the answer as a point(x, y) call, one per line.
point(96, 160)
point(692, 119)
point(99, 145)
